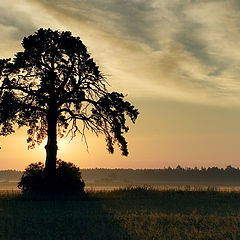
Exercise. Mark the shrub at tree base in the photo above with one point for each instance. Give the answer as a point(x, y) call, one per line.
point(68, 178)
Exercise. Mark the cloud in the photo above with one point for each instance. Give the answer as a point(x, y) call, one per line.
point(183, 49)
point(17, 20)
point(14, 20)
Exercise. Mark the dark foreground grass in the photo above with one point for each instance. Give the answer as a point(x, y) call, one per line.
point(136, 213)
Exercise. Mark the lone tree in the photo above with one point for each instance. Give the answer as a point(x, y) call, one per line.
point(55, 89)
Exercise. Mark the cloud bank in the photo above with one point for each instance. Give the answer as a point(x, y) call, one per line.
point(179, 49)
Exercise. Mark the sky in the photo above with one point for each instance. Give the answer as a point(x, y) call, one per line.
point(177, 61)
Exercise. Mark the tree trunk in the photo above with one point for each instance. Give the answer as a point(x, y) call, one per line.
point(51, 150)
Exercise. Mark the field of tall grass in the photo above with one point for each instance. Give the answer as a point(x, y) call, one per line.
point(133, 213)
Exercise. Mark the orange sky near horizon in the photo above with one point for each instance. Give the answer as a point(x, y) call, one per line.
point(179, 136)
point(176, 61)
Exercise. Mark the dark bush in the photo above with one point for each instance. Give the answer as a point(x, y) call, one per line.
point(32, 179)
point(68, 178)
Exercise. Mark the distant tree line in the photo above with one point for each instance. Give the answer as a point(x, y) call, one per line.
point(210, 175)
point(10, 175)
point(178, 175)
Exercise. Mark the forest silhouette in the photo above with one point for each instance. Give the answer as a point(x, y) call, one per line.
point(228, 176)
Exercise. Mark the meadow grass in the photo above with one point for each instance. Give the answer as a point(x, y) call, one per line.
point(133, 213)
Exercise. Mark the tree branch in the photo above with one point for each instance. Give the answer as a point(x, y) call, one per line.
point(23, 89)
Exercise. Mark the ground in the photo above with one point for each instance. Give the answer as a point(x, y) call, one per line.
point(134, 214)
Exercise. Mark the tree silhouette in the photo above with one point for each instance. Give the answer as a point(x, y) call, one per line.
point(55, 89)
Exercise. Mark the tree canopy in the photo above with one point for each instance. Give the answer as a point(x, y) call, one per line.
point(54, 88)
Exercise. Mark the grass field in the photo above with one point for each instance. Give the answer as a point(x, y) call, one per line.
point(133, 213)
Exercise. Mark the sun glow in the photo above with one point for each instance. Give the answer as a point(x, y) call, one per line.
point(62, 143)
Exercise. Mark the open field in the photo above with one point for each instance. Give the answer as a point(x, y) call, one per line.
point(134, 213)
